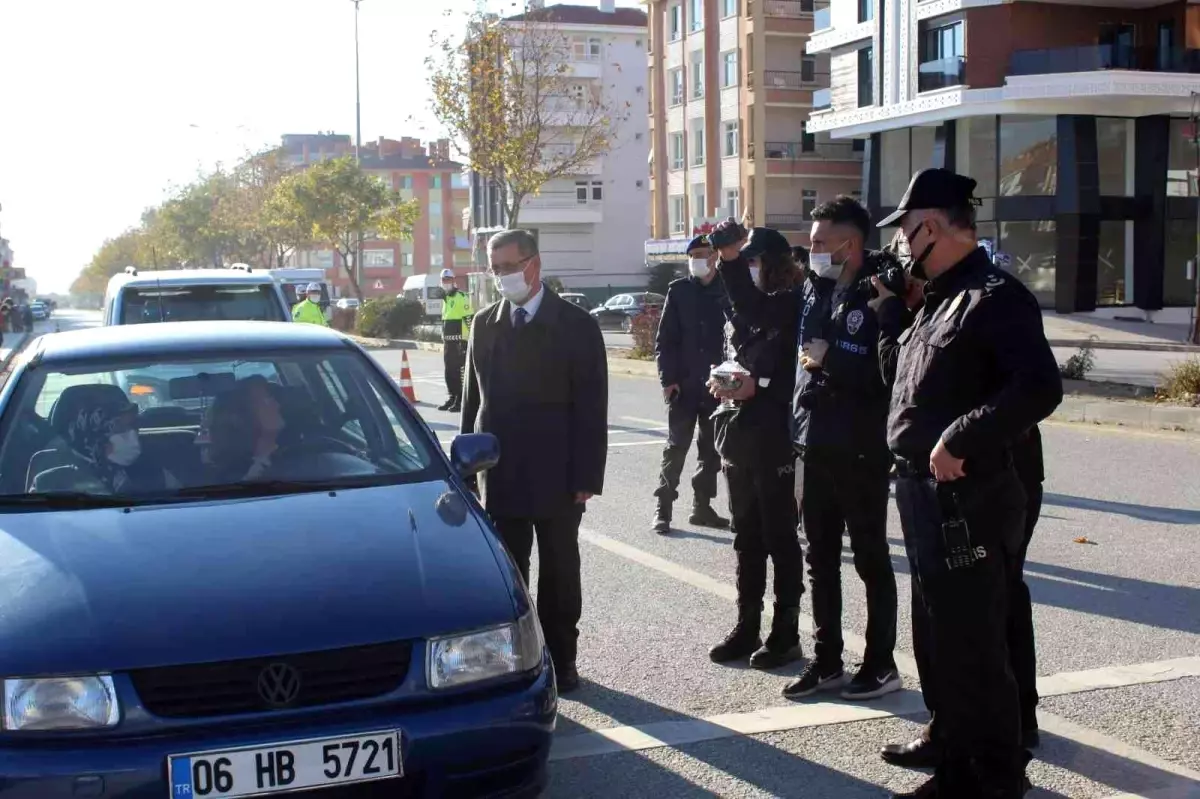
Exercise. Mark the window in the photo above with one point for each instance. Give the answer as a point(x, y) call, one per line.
point(896, 165)
point(697, 142)
point(435, 237)
point(1112, 285)
point(941, 57)
point(698, 74)
point(866, 10)
point(1031, 249)
point(437, 259)
point(808, 141)
point(1028, 156)
point(729, 68)
point(975, 153)
point(582, 194)
point(435, 210)
point(732, 202)
point(1180, 248)
point(676, 78)
point(1182, 160)
point(379, 258)
point(697, 201)
point(581, 191)
point(866, 77)
point(458, 180)
point(695, 14)
point(674, 14)
point(200, 304)
point(808, 203)
point(808, 69)
point(677, 151)
point(586, 49)
point(406, 181)
point(436, 182)
point(728, 8)
point(597, 190)
point(406, 259)
point(677, 214)
point(1114, 140)
point(731, 138)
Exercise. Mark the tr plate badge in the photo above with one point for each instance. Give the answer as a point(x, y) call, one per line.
point(854, 322)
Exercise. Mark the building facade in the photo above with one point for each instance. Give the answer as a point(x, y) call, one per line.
point(1073, 118)
point(732, 90)
point(590, 226)
point(416, 171)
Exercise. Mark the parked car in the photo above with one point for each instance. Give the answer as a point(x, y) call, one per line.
point(346, 303)
point(188, 295)
point(618, 312)
point(39, 310)
point(344, 614)
point(578, 299)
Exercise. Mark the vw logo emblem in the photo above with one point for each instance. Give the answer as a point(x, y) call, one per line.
point(279, 684)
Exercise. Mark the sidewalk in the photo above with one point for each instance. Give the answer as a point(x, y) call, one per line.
point(1066, 330)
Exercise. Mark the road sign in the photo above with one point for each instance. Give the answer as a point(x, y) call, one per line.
point(378, 285)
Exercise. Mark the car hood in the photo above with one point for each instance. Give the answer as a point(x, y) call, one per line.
point(113, 589)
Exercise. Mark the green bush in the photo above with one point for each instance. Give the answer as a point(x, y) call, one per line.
point(387, 317)
point(1079, 364)
point(645, 329)
point(1181, 382)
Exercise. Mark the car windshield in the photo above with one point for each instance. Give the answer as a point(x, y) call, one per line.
point(200, 304)
point(183, 429)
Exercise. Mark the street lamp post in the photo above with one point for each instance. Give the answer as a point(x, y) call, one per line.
point(358, 250)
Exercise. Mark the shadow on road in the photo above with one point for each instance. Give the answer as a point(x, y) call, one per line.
point(1146, 513)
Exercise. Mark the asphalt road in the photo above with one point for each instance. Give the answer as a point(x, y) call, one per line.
point(656, 718)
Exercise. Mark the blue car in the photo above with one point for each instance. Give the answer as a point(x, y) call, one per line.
point(259, 575)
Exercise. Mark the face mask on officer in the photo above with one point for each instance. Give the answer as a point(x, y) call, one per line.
point(448, 288)
point(699, 267)
point(916, 266)
point(822, 263)
point(314, 298)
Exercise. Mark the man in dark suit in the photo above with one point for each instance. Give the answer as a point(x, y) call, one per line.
point(537, 379)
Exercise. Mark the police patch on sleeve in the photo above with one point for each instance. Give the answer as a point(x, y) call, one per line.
point(854, 321)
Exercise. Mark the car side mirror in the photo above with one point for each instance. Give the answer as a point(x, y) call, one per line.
point(473, 453)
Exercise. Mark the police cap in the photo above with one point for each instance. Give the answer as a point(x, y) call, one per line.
point(937, 189)
point(697, 243)
point(766, 240)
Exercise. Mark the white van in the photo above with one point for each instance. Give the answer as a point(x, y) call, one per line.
point(427, 289)
point(294, 281)
point(187, 295)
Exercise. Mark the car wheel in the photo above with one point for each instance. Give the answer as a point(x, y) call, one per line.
point(627, 325)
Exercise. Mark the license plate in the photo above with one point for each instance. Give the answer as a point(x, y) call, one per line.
point(295, 766)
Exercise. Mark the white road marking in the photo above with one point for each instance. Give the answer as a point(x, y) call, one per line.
point(675, 733)
point(656, 442)
point(639, 420)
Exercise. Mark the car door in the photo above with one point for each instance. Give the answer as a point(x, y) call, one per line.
point(613, 312)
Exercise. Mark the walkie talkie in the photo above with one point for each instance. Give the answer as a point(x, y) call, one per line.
point(956, 535)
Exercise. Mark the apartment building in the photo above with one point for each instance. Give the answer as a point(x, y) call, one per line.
point(1074, 118)
point(732, 90)
point(591, 225)
point(425, 173)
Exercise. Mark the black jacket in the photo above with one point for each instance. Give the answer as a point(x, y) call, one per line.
point(543, 391)
point(848, 415)
point(973, 369)
point(691, 338)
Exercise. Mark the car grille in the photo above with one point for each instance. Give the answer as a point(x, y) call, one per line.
point(273, 683)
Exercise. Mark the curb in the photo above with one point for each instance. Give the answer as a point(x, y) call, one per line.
point(1100, 344)
point(1141, 415)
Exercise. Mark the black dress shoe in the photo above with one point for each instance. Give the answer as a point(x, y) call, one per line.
point(567, 679)
point(918, 753)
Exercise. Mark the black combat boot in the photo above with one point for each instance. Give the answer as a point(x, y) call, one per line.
point(744, 638)
point(703, 515)
point(662, 517)
point(783, 644)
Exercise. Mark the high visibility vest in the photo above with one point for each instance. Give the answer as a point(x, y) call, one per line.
point(455, 307)
point(310, 312)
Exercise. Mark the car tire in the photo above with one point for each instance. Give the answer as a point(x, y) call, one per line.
point(627, 325)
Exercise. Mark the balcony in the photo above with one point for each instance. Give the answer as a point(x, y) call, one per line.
point(551, 209)
point(1099, 57)
point(822, 19)
point(786, 221)
point(795, 81)
point(941, 74)
point(788, 9)
point(793, 150)
point(822, 100)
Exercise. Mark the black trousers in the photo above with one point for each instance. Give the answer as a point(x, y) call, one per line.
point(960, 628)
point(559, 593)
point(762, 503)
point(454, 357)
point(848, 493)
point(682, 421)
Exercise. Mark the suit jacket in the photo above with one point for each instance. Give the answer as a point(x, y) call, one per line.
point(543, 391)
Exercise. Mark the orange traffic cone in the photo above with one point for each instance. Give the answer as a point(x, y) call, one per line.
point(406, 382)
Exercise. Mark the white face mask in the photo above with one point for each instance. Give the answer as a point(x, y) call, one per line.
point(126, 447)
point(754, 274)
point(315, 299)
point(514, 287)
point(822, 263)
point(447, 287)
point(698, 267)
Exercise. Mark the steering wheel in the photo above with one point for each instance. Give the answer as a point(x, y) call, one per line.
point(318, 443)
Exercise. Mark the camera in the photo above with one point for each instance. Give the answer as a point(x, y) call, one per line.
point(891, 273)
point(727, 234)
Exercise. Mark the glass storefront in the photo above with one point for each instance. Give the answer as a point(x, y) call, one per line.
point(1182, 160)
point(896, 166)
point(1114, 151)
point(1112, 271)
point(1031, 249)
point(1181, 247)
point(1028, 156)
point(975, 153)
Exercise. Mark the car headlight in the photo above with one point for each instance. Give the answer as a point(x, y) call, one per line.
point(60, 703)
point(462, 659)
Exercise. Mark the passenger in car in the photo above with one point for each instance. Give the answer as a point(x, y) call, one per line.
point(243, 428)
point(104, 436)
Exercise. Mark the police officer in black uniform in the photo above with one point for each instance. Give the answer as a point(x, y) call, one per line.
point(973, 373)
point(690, 340)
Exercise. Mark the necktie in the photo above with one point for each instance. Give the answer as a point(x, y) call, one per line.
point(521, 318)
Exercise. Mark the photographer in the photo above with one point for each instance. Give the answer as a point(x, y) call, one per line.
point(752, 427)
point(839, 410)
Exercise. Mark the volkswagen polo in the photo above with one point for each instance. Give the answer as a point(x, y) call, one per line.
point(258, 576)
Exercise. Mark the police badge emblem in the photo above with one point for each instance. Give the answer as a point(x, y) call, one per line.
point(854, 321)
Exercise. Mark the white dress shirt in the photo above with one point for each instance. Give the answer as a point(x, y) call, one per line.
point(531, 306)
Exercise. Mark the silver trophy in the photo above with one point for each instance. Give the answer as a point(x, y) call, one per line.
point(729, 375)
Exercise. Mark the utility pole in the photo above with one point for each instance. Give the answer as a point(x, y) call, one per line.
point(358, 250)
point(1194, 331)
